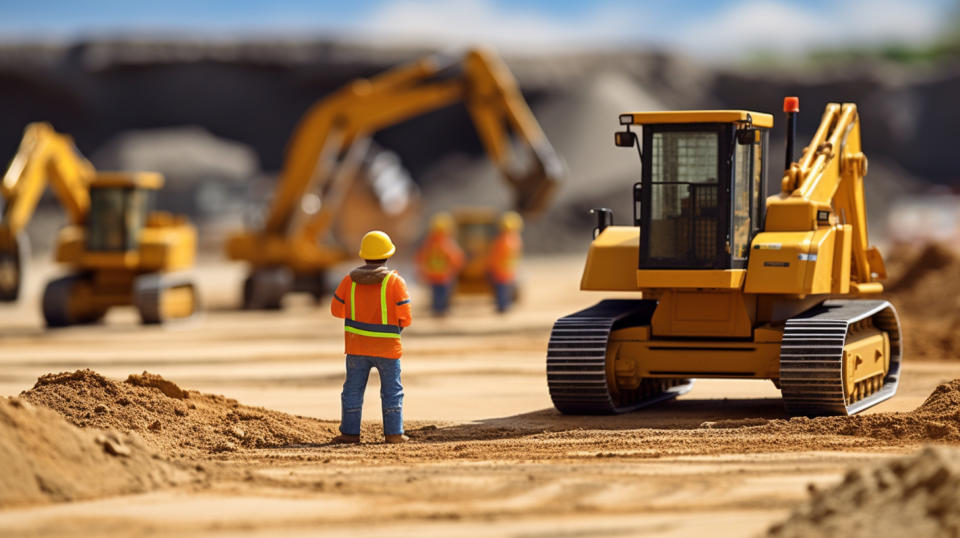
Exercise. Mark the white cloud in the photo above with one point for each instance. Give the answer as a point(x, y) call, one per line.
point(459, 23)
point(786, 27)
point(778, 25)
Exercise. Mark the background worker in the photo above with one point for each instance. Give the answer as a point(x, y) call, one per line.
point(502, 262)
point(440, 260)
point(375, 306)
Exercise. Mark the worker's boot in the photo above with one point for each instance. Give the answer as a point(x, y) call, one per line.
point(346, 439)
point(396, 438)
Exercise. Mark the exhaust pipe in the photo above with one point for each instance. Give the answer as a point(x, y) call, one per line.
point(791, 105)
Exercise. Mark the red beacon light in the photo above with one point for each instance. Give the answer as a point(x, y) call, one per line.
point(791, 105)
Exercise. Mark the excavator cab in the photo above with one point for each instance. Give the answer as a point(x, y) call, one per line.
point(700, 198)
point(119, 204)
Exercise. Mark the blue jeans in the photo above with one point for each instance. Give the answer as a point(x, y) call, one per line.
point(504, 292)
point(441, 297)
point(391, 393)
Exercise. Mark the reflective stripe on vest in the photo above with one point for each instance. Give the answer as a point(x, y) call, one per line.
point(384, 330)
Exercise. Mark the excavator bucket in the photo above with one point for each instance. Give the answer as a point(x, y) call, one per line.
point(534, 187)
point(13, 254)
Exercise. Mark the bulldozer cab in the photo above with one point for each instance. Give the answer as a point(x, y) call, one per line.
point(119, 204)
point(700, 197)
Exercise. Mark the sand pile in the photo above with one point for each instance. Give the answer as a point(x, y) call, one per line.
point(926, 291)
point(938, 418)
point(914, 496)
point(45, 459)
point(174, 421)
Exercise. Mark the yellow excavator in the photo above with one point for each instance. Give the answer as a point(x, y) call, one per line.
point(733, 284)
point(291, 252)
point(119, 251)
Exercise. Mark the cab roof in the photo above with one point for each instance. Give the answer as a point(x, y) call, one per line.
point(697, 116)
point(137, 180)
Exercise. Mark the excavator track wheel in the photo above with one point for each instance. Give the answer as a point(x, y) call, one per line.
point(814, 358)
point(160, 298)
point(265, 288)
point(69, 301)
point(11, 268)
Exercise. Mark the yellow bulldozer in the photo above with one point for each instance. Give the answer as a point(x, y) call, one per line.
point(119, 252)
point(731, 283)
point(292, 250)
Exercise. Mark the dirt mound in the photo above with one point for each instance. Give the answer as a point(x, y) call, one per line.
point(176, 422)
point(914, 496)
point(45, 459)
point(938, 418)
point(918, 267)
point(926, 291)
point(169, 388)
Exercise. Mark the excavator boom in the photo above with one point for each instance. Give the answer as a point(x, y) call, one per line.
point(363, 107)
point(290, 251)
point(44, 157)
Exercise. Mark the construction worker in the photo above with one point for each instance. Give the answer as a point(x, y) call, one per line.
point(440, 260)
point(504, 254)
point(375, 306)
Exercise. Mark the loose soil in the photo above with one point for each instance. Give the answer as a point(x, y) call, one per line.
point(45, 459)
point(914, 496)
point(193, 424)
point(178, 422)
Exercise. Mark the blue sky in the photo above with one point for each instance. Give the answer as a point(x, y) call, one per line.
point(700, 27)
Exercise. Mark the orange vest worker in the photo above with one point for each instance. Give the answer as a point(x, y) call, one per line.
point(506, 250)
point(375, 307)
point(502, 260)
point(440, 258)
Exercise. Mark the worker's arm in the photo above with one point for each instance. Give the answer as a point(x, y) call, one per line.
point(402, 302)
point(337, 304)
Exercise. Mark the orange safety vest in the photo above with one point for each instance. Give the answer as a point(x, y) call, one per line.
point(504, 254)
point(439, 258)
point(373, 315)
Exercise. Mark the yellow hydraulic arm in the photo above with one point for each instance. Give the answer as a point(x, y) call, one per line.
point(829, 175)
point(44, 156)
point(333, 125)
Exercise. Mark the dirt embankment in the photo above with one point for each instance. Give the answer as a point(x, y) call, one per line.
point(188, 424)
point(45, 459)
point(937, 419)
point(925, 288)
point(914, 496)
point(177, 422)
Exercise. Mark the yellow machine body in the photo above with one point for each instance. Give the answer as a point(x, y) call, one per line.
point(119, 252)
point(476, 230)
point(293, 245)
point(782, 301)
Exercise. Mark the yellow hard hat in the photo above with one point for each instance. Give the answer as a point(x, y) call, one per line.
point(376, 245)
point(442, 222)
point(511, 221)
